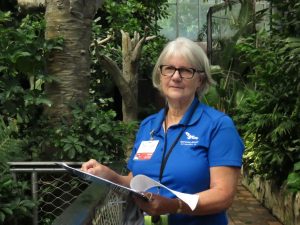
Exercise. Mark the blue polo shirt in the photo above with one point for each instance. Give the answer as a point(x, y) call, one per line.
point(209, 139)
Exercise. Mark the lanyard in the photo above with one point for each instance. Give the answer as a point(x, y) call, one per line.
point(166, 153)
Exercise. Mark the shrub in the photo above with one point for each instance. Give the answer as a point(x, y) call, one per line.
point(269, 114)
point(92, 133)
point(13, 199)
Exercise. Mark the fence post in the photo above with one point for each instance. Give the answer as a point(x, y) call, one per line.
point(34, 191)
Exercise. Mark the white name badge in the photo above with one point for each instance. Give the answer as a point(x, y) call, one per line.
point(146, 150)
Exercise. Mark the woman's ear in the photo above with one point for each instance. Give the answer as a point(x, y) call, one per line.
point(199, 82)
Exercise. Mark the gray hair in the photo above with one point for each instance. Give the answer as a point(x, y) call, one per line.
point(192, 53)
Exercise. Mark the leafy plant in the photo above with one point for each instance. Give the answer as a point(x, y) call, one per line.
point(293, 180)
point(227, 92)
point(22, 60)
point(93, 133)
point(8, 145)
point(133, 15)
point(13, 200)
point(269, 114)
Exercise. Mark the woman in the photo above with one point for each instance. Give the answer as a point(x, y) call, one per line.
point(197, 149)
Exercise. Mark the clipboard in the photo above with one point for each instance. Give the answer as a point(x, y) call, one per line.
point(99, 180)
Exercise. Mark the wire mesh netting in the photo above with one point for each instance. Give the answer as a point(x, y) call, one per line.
point(52, 189)
point(55, 193)
point(111, 212)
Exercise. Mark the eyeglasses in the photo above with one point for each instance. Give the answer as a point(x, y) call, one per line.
point(169, 71)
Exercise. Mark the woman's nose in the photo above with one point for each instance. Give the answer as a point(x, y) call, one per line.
point(177, 75)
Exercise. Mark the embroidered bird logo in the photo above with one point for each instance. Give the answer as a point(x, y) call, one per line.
point(189, 136)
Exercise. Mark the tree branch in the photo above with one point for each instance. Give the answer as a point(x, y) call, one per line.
point(113, 69)
point(105, 40)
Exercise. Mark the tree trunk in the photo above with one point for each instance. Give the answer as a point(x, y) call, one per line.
point(130, 74)
point(127, 79)
point(71, 20)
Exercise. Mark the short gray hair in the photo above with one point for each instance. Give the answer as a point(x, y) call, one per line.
point(193, 53)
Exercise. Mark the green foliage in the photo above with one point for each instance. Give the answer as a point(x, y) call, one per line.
point(269, 113)
point(13, 200)
point(293, 180)
point(267, 110)
point(12, 193)
point(8, 145)
point(22, 98)
point(228, 91)
point(93, 133)
point(22, 61)
point(150, 54)
point(133, 15)
point(286, 17)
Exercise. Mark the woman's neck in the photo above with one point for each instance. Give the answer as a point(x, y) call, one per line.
point(178, 108)
point(176, 112)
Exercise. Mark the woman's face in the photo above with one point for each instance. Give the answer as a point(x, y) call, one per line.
point(176, 88)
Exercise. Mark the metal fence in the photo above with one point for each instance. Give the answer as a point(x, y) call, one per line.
point(111, 212)
point(51, 188)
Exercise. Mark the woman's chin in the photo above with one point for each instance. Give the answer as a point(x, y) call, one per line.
point(178, 97)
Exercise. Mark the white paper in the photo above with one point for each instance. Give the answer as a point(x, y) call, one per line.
point(138, 185)
point(102, 181)
point(142, 183)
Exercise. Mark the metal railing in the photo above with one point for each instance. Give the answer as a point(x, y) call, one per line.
point(63, 199)
point(52, 189)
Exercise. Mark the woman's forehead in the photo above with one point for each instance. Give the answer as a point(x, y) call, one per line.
point(176, 57)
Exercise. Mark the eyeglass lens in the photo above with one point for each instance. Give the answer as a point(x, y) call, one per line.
point(183, 72)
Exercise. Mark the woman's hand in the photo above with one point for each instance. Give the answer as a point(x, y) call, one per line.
point(157, 205)
point(94, 167)
point(97, 169)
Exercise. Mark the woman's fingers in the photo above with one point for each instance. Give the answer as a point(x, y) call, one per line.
point(90, 166)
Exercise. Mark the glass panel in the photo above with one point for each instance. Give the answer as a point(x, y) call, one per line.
point(203, 9)
point(188, 21)
point(265, 22)
point(168, 25)
point(225, 23)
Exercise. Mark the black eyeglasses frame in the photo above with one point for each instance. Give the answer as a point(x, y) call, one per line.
point(179, 71)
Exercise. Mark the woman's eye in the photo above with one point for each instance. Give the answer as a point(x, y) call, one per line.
point(169, 68)
point(185, 70)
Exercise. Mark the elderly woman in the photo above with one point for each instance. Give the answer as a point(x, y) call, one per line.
point(197, 149)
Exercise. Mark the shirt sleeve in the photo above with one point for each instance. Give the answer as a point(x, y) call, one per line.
point(226, 146)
